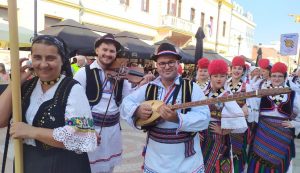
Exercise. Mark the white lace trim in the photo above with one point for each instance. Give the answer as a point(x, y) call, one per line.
point(75, 140)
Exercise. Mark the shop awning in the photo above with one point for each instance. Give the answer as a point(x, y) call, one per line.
point(25, 35)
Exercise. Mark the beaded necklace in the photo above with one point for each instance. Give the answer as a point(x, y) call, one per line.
point(236, 88)
point(219, 92)
point(51, 82)
point(203, 85)
point(278, 98)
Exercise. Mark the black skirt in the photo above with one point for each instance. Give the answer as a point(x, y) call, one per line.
point(54, 160)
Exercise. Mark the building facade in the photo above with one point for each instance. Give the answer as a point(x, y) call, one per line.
point(241, 32)
point(150, 20)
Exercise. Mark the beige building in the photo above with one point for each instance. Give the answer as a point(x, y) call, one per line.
point(241, 32)
point(151, 20)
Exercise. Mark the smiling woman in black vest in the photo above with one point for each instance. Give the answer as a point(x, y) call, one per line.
point(55, 128)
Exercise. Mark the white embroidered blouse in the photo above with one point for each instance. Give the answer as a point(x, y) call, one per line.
point(78, 134)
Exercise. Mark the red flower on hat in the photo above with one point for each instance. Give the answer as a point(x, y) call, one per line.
point(279, 67)
point(264, 63)
point(203, 63)
point(238, 61)
point(217, 66)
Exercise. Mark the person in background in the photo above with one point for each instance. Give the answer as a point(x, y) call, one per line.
point(294, 82)
point(80, 63)
point(90, 60)
point(236, 84)
point(57, 130)
point(265, 74)
point(202, 78)
point(254, 74)
point(4, 76)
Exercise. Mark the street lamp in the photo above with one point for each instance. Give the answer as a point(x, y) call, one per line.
point(239, 38)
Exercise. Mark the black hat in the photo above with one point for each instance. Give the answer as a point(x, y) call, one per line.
point(166, 49)
point(108, 38)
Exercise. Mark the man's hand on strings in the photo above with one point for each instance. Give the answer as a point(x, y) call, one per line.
point(167, 114)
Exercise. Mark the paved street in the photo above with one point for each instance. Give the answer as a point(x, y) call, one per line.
point(132, 160)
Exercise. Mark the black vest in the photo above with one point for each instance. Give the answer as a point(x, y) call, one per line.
point(94, 87)
point(187, 88)
point(51, 113)
point(285, 108)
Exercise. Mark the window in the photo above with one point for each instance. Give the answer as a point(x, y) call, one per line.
point(125, 2)
point(192, 18)
point(202, 19)
point(224, 28)
point(172, 5)
point(4, 13)
point(145, 5)
point(49, 21)
point(179, 8)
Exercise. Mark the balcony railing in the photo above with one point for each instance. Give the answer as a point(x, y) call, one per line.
point(178, 24)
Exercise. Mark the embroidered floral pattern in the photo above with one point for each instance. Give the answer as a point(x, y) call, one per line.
point(80, 122)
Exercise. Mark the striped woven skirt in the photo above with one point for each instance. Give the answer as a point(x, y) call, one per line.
point(273, 147)
point(216, 152)
point(239, 147)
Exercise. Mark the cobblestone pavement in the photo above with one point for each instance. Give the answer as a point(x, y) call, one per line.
point(133, 142)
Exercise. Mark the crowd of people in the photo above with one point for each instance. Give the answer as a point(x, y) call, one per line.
point(71, 113)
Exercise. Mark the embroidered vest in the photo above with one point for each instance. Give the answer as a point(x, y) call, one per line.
point(215, 112)
point(51, 113)
point(187, 88)
point(285, 108)
point(94, 87)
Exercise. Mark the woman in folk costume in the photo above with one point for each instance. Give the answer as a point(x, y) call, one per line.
point(265, 71)
point(202, 78)
point(273, 146)
point(226, 118)
point(235, 85)
point(57, 129)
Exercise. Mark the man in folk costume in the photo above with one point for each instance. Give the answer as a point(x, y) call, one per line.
point(236, 84)
point(265, 71)
point(202, 78)
point(99, 89)
point(273, 146)
point(226, 118)
point(172, 144)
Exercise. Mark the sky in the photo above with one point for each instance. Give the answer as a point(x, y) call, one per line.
point(272, 18)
